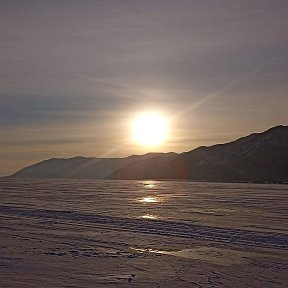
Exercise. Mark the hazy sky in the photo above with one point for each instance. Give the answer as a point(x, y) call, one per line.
point(74, 73)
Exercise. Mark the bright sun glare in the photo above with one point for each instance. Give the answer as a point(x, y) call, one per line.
point(150, 129)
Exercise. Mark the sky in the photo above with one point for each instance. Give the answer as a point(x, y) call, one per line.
point(74, 74)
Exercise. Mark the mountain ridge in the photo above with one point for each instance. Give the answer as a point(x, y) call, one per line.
point(259, 157)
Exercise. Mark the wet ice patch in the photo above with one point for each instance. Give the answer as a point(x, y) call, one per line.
point(218, 256)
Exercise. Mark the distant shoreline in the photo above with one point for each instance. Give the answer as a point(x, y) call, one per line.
point(158, 180)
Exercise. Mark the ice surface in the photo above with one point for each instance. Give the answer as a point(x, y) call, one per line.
point(64, 233)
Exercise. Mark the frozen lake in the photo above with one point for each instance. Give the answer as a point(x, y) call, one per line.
point(57, 224)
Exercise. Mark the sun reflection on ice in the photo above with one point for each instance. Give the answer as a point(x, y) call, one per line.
point(149, 216)
point(149, 199)
point(149, 184)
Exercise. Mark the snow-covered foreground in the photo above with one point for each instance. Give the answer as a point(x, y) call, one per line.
point(64, 233)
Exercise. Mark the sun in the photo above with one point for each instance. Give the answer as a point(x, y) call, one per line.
point(150, 129)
